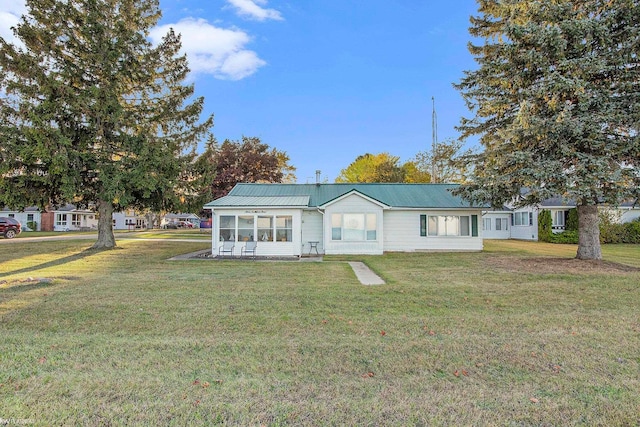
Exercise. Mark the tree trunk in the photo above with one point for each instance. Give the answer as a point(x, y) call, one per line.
point(588, 233)
point(106, 239)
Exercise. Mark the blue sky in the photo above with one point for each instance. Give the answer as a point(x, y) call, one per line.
point(323, 80)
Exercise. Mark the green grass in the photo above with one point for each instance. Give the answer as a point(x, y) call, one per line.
point(125, 337)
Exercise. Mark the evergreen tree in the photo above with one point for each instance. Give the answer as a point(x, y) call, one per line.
point(556, 98)
point(92, 113)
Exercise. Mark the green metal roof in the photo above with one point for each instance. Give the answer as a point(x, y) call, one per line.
point(429, 196)
point(260, 201)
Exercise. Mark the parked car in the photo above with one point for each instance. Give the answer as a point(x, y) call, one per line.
point(172, 225)
point(9, 227)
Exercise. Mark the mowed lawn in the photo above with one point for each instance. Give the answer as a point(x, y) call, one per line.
point(519, 334)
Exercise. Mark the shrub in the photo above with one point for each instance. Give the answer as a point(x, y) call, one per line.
point(544, 226)
point(33, 225)
point(566, 237)
point(572, 220)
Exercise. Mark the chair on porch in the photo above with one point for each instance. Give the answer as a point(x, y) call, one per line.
point(227, 248)
point(249, 249)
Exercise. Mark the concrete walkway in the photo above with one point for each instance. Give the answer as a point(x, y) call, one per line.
point(365, 275)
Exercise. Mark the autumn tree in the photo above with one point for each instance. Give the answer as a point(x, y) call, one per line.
point(382, 167)
point(249, 160)
point(92, 113)
point(556, 105)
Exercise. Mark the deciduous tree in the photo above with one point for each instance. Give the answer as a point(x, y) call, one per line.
point(381, 167)
point(556, 103)
point(249, 160)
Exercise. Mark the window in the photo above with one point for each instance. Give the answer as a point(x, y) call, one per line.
point(29, 217)
point(245, 228)
point(336, 227)
point(486, 224)
point(501, 224)
point(75, 220)
point(61, 219)
point(12, 215)
point(265, 228)
point(284, 228)
point(354, 227)
point(449, 225)
point(558, 219)
point(523, 218)
point(228, 227)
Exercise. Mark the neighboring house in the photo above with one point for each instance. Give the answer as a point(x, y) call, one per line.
point(524, 221)
point(128, 220)
point(30, 215)
point(177, 218)
point(297, 219)
point(69, 218)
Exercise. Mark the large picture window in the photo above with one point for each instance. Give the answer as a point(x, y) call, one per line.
point(354, 227)
point(448, 225)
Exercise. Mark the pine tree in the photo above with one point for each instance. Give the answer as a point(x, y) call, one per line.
point(556, 98)
point(91, 112)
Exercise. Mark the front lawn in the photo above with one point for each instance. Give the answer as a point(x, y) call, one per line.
point(519, 334)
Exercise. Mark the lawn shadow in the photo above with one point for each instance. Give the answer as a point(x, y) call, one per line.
point(59, 261)
point(27, 286)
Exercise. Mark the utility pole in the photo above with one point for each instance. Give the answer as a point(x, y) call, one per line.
point(434, 140)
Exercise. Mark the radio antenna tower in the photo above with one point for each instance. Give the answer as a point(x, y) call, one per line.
point(434, 140)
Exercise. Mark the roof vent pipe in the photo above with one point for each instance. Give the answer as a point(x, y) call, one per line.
point(318, 172)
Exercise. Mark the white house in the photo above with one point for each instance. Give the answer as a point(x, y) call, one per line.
point(128, 220)
point(30, 215)
point(70, 218)
point(299, 219)
point(523, 222)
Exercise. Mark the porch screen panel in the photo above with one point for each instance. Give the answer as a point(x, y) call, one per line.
point(245, 228)
point(284, 228)
point(265, 228)
point(228, 227)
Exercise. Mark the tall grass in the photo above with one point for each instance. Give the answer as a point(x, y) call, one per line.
point(126, 337)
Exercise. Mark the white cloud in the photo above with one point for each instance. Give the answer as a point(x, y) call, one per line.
point(10, 13)
point(252, 10)
point(211, 50)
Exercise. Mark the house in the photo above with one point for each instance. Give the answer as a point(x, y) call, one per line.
point(524, 221)
point(128, 220)
point(29, 218)
point(69, 218)
point(496, 224)
point(297, 219)
point(180, 218)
